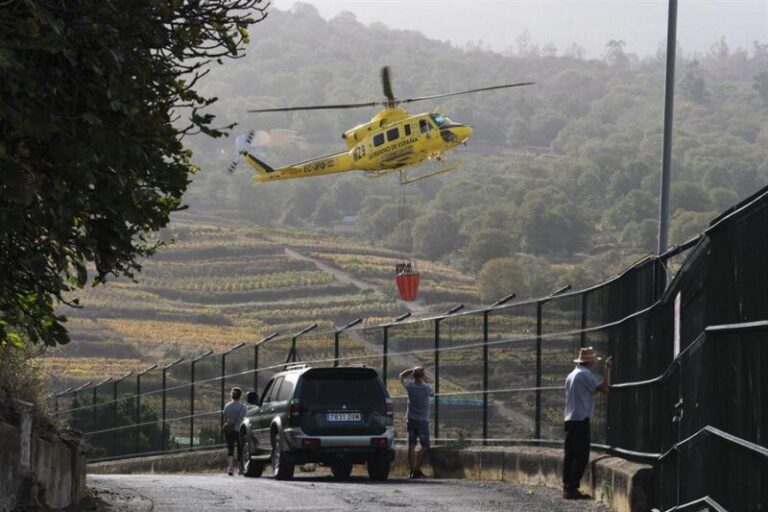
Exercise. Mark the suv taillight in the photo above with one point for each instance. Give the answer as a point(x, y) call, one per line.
point(390, 407)
point(294, 408)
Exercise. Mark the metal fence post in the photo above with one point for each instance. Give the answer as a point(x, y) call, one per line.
point(337, 335)
point(192, 405)
point(437, 379)
point(437, 367)
point(224, 379)
point(256, 367)
point(192, 399)
point(256, 359)
point(384, 354)
point(537, 421)
point(94, 412)
point(486, 315)
point(138, 406)
point(223, 373)
point(385, 345)
point(114, 401)
point(93, 405)
point(136, 440)
point(165, 425)
point(75, 413)
point(485, 377)
point(293, 354)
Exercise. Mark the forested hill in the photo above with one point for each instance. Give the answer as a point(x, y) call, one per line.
point(563, 172)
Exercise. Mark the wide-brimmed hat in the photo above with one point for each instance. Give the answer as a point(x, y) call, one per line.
point(587, 355)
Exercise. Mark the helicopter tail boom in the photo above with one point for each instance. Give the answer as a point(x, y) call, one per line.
point(339, 162)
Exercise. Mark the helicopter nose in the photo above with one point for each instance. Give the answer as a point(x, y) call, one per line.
point(462, 132)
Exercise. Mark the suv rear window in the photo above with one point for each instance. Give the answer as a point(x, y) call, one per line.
point(351, 388)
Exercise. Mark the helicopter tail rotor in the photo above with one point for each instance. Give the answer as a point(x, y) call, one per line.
point(242, 142)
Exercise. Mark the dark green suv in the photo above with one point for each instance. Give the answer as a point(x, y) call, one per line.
point(333, 416)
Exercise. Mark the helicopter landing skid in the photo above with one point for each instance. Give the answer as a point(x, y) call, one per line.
point(406, 180)
point(379, 174)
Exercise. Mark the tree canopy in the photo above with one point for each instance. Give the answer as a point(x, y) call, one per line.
point(95, 99)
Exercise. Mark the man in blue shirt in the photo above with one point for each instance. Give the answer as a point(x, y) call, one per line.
point(580, 387)
point(415, 383)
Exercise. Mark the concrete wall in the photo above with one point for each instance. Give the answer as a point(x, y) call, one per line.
point(39, 467)
point(622, 485)
point(9, 467)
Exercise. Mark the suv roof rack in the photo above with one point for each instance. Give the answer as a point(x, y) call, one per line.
point(296, 367)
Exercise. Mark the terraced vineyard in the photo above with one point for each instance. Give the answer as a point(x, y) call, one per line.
point(215, 287)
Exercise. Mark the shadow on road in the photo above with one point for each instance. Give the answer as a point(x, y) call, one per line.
point(363, 480)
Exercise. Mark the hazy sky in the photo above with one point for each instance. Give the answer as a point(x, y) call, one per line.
point(591, 23)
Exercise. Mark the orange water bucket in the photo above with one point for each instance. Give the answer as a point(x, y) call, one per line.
point(408, 285)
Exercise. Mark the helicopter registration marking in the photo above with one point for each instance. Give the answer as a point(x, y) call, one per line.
point(319, 166)
point(392, 147)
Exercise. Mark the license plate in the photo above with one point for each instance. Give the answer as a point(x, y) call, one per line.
point(342, 416)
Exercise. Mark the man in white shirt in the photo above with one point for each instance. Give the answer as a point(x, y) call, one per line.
point(580, 387)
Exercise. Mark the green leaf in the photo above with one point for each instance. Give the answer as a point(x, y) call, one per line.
point(15, 340)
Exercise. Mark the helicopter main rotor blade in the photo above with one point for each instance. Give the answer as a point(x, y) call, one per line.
point(387, 84)
point(493, 87)
point(319, 107)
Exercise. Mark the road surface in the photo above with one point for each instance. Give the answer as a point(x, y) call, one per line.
point(318, 493)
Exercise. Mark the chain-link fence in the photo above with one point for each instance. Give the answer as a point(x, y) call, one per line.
point(689, 400)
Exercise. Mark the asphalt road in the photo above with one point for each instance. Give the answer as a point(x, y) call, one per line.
point(312, 492)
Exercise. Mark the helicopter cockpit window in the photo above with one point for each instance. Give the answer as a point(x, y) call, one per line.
point(378, 139)
point(440, 119)
point(424, 126)
point(393, 134)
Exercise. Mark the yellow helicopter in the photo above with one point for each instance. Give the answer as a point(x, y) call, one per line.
point(391, 141)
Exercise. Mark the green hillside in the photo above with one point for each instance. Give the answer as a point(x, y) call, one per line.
point(565, 170)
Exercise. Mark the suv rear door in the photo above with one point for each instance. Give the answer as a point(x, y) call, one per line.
point(342, 401)
point(264, 418)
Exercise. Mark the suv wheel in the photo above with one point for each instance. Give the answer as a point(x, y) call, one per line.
point(378, 468)
point(282, 469)
point(341, 470)
point(251, 468)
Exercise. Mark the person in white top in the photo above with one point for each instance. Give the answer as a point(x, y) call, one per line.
point(580, 387)
point(234, 413)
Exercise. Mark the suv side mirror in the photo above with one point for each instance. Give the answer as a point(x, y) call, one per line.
point(252, 398)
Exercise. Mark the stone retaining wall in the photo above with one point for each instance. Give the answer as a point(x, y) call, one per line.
point(39, 468)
